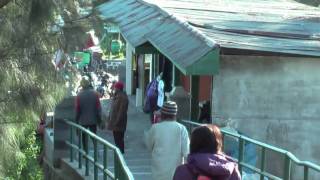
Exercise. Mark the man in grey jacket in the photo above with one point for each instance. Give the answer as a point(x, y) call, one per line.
point(88, 108)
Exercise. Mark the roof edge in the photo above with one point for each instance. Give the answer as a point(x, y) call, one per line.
point(211, 43)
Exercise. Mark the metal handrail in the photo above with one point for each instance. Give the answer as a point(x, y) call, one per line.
point(121, 170)
point(289, 157)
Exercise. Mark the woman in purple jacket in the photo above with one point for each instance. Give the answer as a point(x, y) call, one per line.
point(206, 160)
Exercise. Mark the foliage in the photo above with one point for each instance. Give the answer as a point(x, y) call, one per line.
point(310, 2)
point(29, 83)
point(25, 162)
point(105, 44)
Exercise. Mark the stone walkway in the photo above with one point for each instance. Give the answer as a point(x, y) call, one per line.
point(136, 155)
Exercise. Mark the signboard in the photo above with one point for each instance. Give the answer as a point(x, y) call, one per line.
point(112, 29)
point(82, 58)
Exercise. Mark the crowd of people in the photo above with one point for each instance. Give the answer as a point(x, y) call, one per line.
point(174, 155)
point(88, 111)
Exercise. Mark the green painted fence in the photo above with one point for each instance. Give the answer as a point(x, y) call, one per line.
point(289, 158)
point(121, 171)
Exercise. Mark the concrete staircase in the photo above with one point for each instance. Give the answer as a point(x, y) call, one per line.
point(137, 157)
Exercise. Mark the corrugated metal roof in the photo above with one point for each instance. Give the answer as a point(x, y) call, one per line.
point(186, 31)
point(279, 26)
point(141, 22)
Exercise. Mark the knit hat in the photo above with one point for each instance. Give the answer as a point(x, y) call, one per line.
point(118, 85)
point(169, 108)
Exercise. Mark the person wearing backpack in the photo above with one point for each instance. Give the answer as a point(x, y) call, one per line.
point(206, 160)
point(154, 96)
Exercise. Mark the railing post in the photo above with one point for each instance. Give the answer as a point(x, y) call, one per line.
point(223, 142)
point(263, 164)
point(86, 142)
point(190, 128)
point(116, 165)
point(306, 173)
point(71, 141)
point(105, 160)
point(95, 158)
point(287, 168)
point(80, 145)
point(241, 153)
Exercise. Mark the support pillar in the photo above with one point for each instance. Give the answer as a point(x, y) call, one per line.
point(194, 104)
point(61, 131)
point(129, 73)
point(141, 80)
point(176, 76)
point(153, 67)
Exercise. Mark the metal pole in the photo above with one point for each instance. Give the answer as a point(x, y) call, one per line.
point(105, 160)
point(241, 154)
point(116, 165)
point(95, 159)
point(86, 153)
point(71, 142)
point(287, 168)
point(306, 173)
point(80, 148)
point(263, 164)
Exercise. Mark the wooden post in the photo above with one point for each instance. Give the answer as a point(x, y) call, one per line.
point(194, 102)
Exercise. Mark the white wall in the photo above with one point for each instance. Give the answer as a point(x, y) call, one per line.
point(272, 99)
point(129, 54)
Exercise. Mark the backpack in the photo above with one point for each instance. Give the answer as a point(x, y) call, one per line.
point(151, 92)
point(196, 174)
point(152, 88)
point(201, 177)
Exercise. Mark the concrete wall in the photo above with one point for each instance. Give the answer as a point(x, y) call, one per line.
point(64, 110)
point(272, 99)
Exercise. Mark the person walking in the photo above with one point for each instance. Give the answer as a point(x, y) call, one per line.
point(118, 115)
point(206, 160)
point(168, 142)
point(88, 108)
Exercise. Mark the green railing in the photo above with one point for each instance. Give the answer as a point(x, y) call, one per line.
point(289, 158)
point(121, 171)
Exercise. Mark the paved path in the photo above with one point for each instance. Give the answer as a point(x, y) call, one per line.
point(136, 155)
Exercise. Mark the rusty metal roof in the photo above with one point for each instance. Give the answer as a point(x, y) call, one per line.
point(142, 22)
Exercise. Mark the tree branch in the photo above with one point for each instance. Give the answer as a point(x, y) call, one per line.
point(3, 3)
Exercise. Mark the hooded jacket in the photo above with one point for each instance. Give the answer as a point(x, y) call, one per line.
point(214, 166)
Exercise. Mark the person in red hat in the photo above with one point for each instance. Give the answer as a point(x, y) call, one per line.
point(117, 122)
